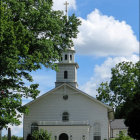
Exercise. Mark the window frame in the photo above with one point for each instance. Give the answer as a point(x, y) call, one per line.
point(34, 127)
point(97, 131)
point(97, 137)
point(65, 116)
point(65, 74)
point(66, 57)
point(70, 57)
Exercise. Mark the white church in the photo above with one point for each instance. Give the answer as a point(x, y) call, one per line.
point(67, 112)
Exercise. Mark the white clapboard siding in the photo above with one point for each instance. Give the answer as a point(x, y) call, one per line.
point(81, 108)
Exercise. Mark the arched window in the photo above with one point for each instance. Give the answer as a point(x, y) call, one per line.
point(34, 127)
point(66, 57)
point(70, 57)
point(65, 116)
point(65, 74)
point(97, 131)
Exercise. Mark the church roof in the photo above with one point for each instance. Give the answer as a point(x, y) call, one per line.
point(118, 124)
point(79, 91)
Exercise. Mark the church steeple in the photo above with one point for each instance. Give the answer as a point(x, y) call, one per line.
point(67, 72)
point(67, 68)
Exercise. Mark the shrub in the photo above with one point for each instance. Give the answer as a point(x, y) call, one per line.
point(29, 137)
point(41, 135)
point(123, 137)
point(12, 138)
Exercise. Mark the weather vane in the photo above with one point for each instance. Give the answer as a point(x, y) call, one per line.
point(66, 10)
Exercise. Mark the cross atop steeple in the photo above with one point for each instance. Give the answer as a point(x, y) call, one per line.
point(66, 10)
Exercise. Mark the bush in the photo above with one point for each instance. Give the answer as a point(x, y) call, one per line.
point(41, 135)
point(122, 137)
point(29, 137)
point(12, 138)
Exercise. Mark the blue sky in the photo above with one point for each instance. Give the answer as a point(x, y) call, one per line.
point(108, 35)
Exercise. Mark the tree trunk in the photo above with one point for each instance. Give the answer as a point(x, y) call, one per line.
point(9, 133)
point(0, 134)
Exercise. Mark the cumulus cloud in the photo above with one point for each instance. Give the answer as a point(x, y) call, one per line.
point(59, 4)
point(102, 73)
point(102, 35)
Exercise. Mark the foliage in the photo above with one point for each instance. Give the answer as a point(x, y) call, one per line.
point(124, 84)
point(32, 35)
point(122, 137)
point(29, 137)
point(123, 93)
point(39, 135)
point(132, 115)
point(12, 138)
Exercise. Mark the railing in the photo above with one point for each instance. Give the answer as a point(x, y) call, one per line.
point(64, 123)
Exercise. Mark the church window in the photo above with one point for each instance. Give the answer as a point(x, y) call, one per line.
point(65, 116)
point(34, 127)
point(55, 137)
point(83, 137)
point(70, 137)
point(65, 74)
point(97, 131)
point(66, 57)
point(97, 137)
point(70, 57)
point(65, 97)
point(120, 132)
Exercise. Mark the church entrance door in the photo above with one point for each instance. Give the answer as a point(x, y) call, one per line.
point(63, 136)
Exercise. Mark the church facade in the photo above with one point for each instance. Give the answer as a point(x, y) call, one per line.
point(67, 112)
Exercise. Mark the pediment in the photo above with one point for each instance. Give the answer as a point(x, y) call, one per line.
point(68, 89)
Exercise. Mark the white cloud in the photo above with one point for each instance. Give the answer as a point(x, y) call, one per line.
point(102, 35)
point(102, 73)
point(59, 4)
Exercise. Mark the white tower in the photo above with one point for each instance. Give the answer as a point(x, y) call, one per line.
point(67, 72)
point(67, 67)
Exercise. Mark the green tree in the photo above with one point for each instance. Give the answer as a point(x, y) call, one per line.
point(122, 137)
point(12, 138)
point(124, 84)
point(41, 135)
point(123, 93)
point(32, 35)
point(132, 115)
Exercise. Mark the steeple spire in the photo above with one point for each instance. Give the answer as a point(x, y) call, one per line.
point(66, 10)
point(67, 72)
